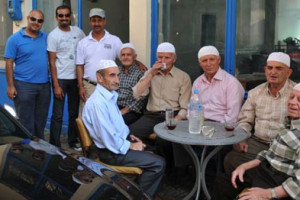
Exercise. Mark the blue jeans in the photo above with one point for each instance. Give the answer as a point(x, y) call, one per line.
point(32, 105)
point(69, 88)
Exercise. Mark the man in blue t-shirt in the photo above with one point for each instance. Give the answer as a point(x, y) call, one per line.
point(28, 82)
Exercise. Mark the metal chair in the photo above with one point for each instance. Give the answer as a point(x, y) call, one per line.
point(87, 141)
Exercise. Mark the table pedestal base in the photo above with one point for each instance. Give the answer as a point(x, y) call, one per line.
point(200, 168)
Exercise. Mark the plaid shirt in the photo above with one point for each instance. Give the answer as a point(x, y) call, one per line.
point(264, 112)
point(284, 155)
point(127, 82)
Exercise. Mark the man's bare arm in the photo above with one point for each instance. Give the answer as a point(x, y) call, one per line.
point(9, 70)
point(58, 92)
point(79, 71)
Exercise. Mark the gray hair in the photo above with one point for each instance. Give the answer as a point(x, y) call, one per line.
point(101, 72)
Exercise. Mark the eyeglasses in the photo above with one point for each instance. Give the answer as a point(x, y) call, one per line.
point(40, 21)
point(62, 15)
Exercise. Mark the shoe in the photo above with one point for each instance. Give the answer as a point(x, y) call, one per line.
point(76, 146)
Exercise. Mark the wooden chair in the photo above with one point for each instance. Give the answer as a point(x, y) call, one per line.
point(152, 136)
point(87, 141)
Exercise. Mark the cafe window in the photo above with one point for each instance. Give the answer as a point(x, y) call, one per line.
point(6, 29)
point(265, 26)
point(262, 26)
point(190, 25)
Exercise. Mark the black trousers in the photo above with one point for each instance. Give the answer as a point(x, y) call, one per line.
point(130, 117)
point(143, 127)
point(69, 88)
point(263, 176)
point(153, 166)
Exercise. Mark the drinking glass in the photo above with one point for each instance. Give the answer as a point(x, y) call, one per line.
point(170, 122)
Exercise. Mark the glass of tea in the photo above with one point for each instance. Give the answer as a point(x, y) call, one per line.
point(229, 125)
point(170, 122)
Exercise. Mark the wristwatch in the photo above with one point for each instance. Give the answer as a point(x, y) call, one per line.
point(273, 194)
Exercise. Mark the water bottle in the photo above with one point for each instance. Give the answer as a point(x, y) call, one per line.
point(195, 114)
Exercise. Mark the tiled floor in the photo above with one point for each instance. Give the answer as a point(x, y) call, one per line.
point(174, 188)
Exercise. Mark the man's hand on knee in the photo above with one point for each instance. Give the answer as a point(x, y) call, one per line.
point(241, 147)
point(137, 146)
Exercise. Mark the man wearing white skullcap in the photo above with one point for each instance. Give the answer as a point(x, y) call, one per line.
point(167, 87)
point(221, 93)
point(273, 172)
point(105, 124)
point(264, 111)
point(130, 74)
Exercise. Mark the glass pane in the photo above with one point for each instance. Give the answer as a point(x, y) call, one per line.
point(6, 28)
point(117, 17)
point(264, 26)
point(49, 7)
point(190, 25)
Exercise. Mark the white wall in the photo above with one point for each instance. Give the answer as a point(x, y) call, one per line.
point(140, 28)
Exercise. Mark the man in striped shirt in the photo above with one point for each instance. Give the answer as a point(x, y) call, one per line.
point(264, 112)
point(275, 173)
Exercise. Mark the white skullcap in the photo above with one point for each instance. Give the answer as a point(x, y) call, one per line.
point(280, 57)
point(165, 47)
point(103, 64)
point(128, 45)
point(208, 50)
point(297, 87)
point(97, 12)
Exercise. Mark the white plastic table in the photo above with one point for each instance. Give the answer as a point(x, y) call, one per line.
point(182, 136)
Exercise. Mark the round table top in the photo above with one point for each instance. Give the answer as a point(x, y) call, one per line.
point(181, 134)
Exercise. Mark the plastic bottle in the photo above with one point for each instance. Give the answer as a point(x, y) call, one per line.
point(195, 114)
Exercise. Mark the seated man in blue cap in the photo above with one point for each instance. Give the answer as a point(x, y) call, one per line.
point(275, 172)
point(110, 134)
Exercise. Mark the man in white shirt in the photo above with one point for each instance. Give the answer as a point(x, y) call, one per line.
point(61, 46)
point(98, 45)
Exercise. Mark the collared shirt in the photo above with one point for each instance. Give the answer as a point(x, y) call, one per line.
point(171, 90)
point(265, 112)
point(91, 51)
point(30, 56)
point(127, 82)
point(222, 97)
point(284, 156)
point(64, 44)
point(104, 121)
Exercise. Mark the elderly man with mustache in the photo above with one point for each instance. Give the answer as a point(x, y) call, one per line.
point(275, 172)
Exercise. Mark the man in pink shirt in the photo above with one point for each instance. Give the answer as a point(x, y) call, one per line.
point(220, 93)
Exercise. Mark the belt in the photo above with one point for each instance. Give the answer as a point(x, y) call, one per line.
point(90, 82)
point(160, 112)
point(157, 113)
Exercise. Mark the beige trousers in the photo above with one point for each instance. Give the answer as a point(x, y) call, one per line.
point(89, 89)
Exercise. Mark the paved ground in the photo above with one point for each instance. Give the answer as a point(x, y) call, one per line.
point(64, 142)
point(175, 187)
